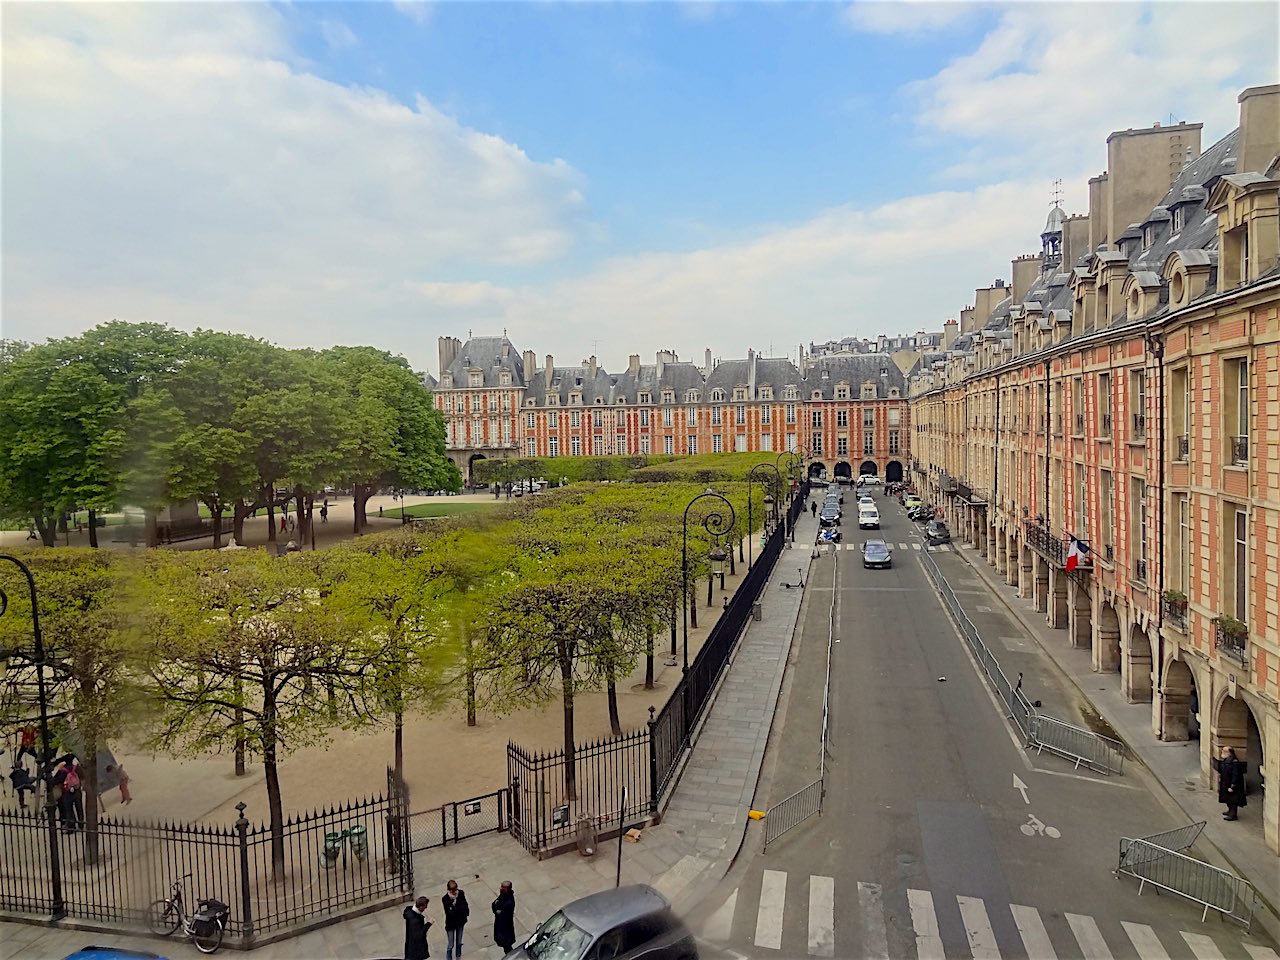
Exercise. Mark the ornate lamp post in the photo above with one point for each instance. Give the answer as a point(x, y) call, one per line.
point(795, 462)
point(769, 501)
point(58, 907)
point(717, 525)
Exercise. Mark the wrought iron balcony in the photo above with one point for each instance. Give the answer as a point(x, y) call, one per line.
point(1079, 425)
point(948, 483)
point(1106, 425)
point(1232, 638)
point(1043, 542)
point(1240, 451)
point(1139, 426)
point(1140, 571)
point(1175, 612)
point(1184, 447)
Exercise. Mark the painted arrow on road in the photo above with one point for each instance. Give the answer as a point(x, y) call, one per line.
point(1021, 788)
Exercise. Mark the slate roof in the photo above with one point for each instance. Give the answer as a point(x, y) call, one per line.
point(486, 354)
point(775, 372)
point(854, 371)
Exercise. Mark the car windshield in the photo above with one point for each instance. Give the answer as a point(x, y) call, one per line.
point(559, 938)
point(876, 550)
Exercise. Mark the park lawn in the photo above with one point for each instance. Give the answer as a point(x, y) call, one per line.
point(442, 509)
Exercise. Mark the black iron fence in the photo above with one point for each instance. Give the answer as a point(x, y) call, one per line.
point(317, 866)
point(455, 822)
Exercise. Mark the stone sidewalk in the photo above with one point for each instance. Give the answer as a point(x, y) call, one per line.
point(684, 856)
point(1174, 765)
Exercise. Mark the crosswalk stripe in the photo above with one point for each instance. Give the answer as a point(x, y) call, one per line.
point(1089, 937)
point(904, 546)
point(1034, 936)
point(773, 893)
point(1145, 941)
point(925, 922)
point(915, 546)
point(1258, 952)
point(719, 925)
point(1202, 946)
point(876, 941)
point(977, 927)
point(822, 917)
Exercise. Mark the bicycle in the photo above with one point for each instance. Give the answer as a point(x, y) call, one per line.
point(204, 927)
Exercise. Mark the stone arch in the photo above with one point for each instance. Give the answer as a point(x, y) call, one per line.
point(1236, 726)
point(893, 471)
point(1106, 651)
point(1137, 666)
point(1080, 620)
point(1013, 572)
point(817, 469)
point(1042, 582)
point(1178, 702)
point(844, 470)
point(868, 468)
point(471, 463)
point(1026, 571)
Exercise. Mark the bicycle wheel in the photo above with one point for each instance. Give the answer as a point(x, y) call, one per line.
point(210, 936)
point(162, 918)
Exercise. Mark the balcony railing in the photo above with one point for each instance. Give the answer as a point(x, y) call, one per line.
point(1140, 571)
point(1232, 640)
point(1139, 426)
point(1175, 612)
point(1044, 543)
point(1184, 447)
point(1109, 552)
point(1240, 450)
point(1106, 425)
point(1057, 424)
point(947, 483)
point(1079, 425)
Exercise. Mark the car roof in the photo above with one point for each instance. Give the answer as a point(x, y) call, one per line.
point(113, 953)
point(875, 543)
point(603, 911)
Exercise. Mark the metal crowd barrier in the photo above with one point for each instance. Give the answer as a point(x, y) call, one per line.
point(1197, 881)
point(1099, 753)
point(793, 811)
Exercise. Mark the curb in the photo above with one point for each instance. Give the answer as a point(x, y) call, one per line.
point(1267, 916)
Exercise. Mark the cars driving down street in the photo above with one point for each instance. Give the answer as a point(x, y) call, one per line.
point(876, 553)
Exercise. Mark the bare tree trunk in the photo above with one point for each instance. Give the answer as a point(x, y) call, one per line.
point(648, 665)
point(399, 747)
point(300, 499)
point(93, 528)
point(152, 528)
point(271, 521)
point(471, 681)
point(238, 717)
point(47, 529)
point(615, 722)
point(276, 809)
point(566, 686)
point(217, 525)
point(239, 512)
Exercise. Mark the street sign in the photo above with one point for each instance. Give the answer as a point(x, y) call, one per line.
point(560, 815)
point(471, 808)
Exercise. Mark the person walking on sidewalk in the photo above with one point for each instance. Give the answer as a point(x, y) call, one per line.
point(1230, 783)
point(416, 925)
point(118, 768)
point(456, 913)
point(504, 917)
point(813, 508)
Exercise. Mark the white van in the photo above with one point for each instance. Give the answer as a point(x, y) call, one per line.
point(868, 517)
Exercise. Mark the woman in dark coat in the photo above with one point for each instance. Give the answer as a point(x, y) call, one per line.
point(504, 917)
point(1230, 783)
point(416, 925)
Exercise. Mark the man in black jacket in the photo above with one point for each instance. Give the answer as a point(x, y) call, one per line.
point(416, 925)
point(456, 913)
point(504, 917)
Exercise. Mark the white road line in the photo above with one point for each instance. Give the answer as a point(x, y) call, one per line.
point(904, 546)
point(773, 894)
point(915, 546)
point(719, 925)
point(875, 940)
point(1145, 941)
point(1202, 946)
point(1089, 937)
point(982, 939)
point(1034, 936)
point(1258, 952)
point(925, 922)
point(822, 917)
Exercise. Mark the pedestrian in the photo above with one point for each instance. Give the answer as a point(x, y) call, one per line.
point(324, 513)
point(504, 917)
point(456, 913)
point(416, 925)
point(1230, 783)
point(118, 768)
point(813, 507)
point(31, 531)
point(69, 795)
point(379, 509)
point(284, 522)
point(26, 744)
point(21, 780)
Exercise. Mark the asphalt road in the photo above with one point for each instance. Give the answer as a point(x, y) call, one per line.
point(940, 836)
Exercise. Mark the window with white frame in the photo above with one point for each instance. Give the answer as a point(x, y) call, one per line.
point(1106, 513)
point(575, 446)
point(868, 443)
point(791, 443)
point(740, 415)
point(895, 442)
point(668, 444)
point(715, 416)
point(1236, 395)
point(644, 446)
point(842, 446)
point(895, 416)
point(842, 418)
point(766, 442)
point(717, 443)
point(1082, 504)
point(740, 443)
point(553, 446)
point(668, 396)
point(531, 447)
point(644, 397)
point(1138, 526)
point(531, 421)
point(1181, 572)
point(621, 447)
point(815, 419)
point(666, 417)
point(597, 446)
point(644, 418)
point(575, 419)
point(791, 413)
point(475, 380)
point(868, 417)
point(553, 419)
point(766, 414)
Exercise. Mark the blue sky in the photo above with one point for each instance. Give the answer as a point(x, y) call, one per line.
point(608, 178)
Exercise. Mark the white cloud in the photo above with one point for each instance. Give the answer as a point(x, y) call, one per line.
point(179, 168)
point(910, 17)
point(337, 34)
point(1050, 81)
point(416, 10)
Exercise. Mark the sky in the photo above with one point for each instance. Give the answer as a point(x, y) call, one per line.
point(591, 178)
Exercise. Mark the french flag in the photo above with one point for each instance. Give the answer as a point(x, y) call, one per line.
point(1076, 553)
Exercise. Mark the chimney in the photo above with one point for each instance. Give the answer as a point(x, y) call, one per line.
point(591, 365)
point(950, 330)
point(530, 365)
point(706, 367)
point(1259, 129)
point(1024, 271)
point(448, 349)
point(506, 348)
point(1141, 165)
point(751, 374)
point(550, 370)
point(633, 364)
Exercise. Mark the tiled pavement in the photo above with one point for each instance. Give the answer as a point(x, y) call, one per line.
point(684, 856)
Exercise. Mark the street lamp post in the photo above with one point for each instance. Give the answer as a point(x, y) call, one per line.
point(794, 460)
point(58, 907)
point(717, 525)
point(750, 525)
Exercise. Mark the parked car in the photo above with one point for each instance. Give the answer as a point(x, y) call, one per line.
point(868, 478)
point(876, 553)
point(936, 532)
point(868, 518)
point(625, 923)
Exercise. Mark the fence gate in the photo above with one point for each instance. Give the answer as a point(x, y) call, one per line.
point(456, 821)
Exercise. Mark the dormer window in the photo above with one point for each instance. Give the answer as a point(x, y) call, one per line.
point(790, 393)
point(766, 393)
point(621, 401)
point(531, 402)
point(504, 378)
point(817, 395)
point(475, 380)
point(894, 393)
point(1149, 236)
point(575, 398)
point(868, 391)
point(446, 381)
point(553, 399)
point(644, 398)
point(717, 395)
point(739, 393)
point(691, 396)
point(599, 399)
point(842, 391)
point(668, 396)
point(1179, 218)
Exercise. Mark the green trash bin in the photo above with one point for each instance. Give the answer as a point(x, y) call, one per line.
point(359, 841)
point(332, 849)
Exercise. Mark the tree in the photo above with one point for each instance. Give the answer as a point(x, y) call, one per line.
point(247, 645)
point(91, 650)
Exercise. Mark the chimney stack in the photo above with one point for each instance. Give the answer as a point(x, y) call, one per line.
point(591, 366)
point(550, 370)
point(706, 369)
point(751, 374)
point(530, 365)
point(448, 351)
point(950, 330)
point(633, 365)
point(1259, 128)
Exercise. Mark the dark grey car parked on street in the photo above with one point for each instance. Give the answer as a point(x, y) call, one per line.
point(627, 923)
